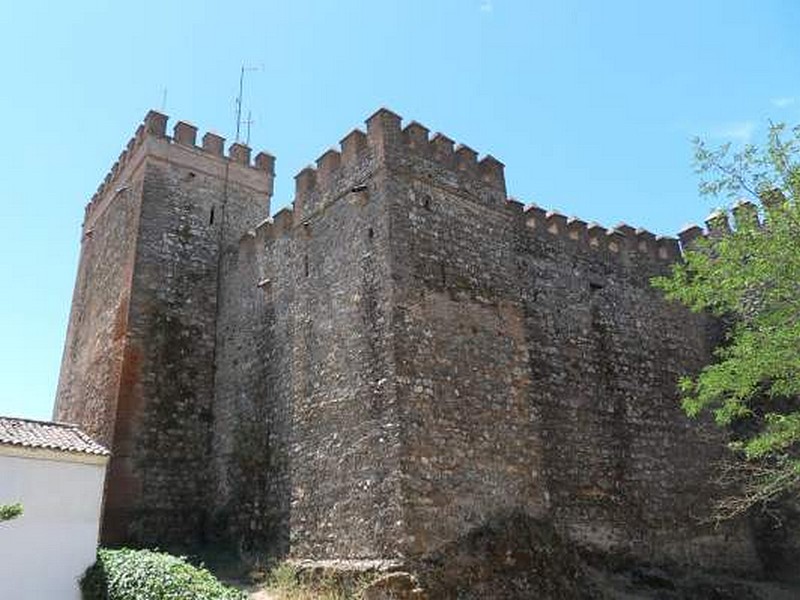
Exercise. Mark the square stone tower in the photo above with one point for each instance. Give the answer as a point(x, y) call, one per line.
point(138, 365)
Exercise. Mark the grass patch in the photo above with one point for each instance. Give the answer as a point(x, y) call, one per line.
point(287, 582)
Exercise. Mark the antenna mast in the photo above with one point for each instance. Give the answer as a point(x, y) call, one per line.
point(249, 122)
point(239, 100)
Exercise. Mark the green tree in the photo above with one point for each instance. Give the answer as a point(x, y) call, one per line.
point(748, 276)
point(10, 511)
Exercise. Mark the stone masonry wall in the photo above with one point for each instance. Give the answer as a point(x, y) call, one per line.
point(471, 440)
point(253, 386)
point(170, 357)
point(536, 369)
point(304, 373)
point(472, 446)
point(345, 437)
point(428, 355)
point(162, 408)
point(626, 471)
point(95, 341)
point(189, 212)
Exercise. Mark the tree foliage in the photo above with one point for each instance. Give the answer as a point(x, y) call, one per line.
point(748, 276)
point(10, 511)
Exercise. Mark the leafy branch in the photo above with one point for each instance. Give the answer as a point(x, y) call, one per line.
point(749, 279)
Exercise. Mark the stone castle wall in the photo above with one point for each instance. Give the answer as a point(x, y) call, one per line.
point(325, 278)
point(608, 353)
point(535, 366)
point(252, 397)
point(92, 359)
point(400, 357)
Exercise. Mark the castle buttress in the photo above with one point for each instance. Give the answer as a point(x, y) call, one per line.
point(386, 366)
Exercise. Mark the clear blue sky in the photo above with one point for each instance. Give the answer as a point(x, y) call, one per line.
point(591, 105)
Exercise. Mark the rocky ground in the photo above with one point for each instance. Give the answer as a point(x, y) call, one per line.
point(518, 558)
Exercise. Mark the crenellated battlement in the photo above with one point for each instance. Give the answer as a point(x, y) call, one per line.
point(276, 226)
point(614, 241)
point(718, 224)
point(413, 150)
point(443, 151)
point(339, 171)
point(151, 138)
point(335, 172)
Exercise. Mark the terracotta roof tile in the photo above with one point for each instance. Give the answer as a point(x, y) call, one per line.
point(47, 434)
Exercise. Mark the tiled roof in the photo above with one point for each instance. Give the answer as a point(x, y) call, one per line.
point(48, 435)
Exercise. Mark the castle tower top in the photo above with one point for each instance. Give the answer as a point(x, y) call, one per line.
point(386, 142)
point(151, 140)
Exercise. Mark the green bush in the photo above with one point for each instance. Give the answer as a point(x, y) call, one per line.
point(10, 511)
point(146, 575)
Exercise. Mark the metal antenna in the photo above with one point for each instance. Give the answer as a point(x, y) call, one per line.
point(249, 122)
point(164, 100)
point(239, 99)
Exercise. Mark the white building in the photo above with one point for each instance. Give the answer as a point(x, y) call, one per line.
point(57, 472)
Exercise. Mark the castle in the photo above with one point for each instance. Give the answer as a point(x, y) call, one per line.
point(380, 369)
